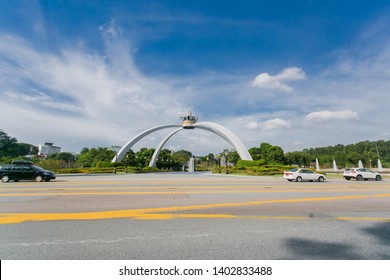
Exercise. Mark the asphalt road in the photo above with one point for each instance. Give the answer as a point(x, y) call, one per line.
point(194, 216)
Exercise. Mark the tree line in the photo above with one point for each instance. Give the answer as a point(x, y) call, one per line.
point(10, 148)
point(345, 155)
point(265, 154)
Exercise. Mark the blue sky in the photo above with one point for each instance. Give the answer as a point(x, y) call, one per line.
point(297, 74)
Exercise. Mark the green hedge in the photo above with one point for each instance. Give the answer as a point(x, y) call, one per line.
point(98, 170)
point(266, 170)
point(107, 170)
point(101, 164)
point(250, 163)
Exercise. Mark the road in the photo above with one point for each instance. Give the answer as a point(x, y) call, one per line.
point(194, 216)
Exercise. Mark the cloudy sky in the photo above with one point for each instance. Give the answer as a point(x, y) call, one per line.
point(297, 74)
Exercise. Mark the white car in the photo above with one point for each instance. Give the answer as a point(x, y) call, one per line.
point(302, 174)
point(361, 174)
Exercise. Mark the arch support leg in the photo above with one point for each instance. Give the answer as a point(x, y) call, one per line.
point(125, 148)
point(159, 147)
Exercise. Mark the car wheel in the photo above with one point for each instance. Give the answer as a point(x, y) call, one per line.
point(359, 177)
point(38, 178)
point(321, 179)
point(289, 180)
point(299, 179)
point(378, 178)
point(5, 179)
point(346, 178)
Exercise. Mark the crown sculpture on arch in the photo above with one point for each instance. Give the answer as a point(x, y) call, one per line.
point(188, 120)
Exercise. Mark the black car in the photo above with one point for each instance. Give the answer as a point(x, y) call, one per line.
point(18, 171)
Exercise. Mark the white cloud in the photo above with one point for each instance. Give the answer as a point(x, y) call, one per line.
point(111, 29)
point(277, 82)
point(326, 116)
point(251, 125)
point(272, 124)
point(275, 124)
point(73, 94)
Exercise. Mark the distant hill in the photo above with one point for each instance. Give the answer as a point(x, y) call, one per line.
point(345, 155)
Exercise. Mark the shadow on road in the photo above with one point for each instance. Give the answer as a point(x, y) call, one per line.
point(309, 249)
point(301, 248)
point(381, 232)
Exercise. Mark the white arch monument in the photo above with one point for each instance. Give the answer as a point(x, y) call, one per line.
point(188, 122)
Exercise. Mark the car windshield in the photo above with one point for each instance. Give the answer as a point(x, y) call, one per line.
point(293, 170)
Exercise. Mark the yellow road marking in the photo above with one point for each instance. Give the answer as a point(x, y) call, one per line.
point(164, 213)
point(20, 218)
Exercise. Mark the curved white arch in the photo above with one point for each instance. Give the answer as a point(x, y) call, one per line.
point(213, 127)
point(126, 147)
point(159, 147)
point(228, 136)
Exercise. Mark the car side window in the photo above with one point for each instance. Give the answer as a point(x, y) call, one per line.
point(17, 168)
point(21, 168)
point(5, 167)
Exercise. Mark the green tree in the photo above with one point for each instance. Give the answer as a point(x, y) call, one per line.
point(164, 160)
point(255, 153)
point(210, 159)
point(130, 158)
point(265, 148)
point(275, 155)
point(271, 154)
point(7, 145)
point(299, 158)
point(143, 156)
point(23, 149)
point(91, 157)
point(352, 159)
point(10, 148)
point(64, 156)
point(84, 151)
point(181, 157)
point(233, 156)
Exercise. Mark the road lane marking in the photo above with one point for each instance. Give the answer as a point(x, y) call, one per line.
point(164, 213)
